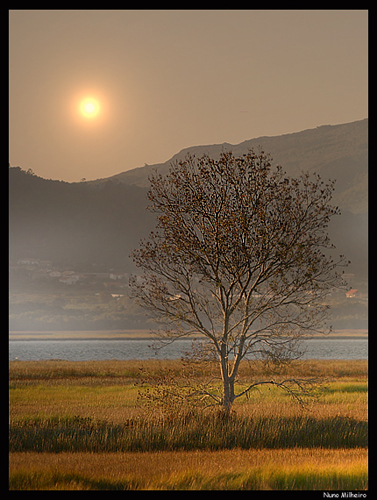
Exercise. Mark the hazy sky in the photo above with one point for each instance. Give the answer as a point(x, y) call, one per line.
point(164, 80)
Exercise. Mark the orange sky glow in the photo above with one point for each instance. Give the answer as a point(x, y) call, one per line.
point(97, 92)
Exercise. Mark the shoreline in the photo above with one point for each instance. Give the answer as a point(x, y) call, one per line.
point(358, 334)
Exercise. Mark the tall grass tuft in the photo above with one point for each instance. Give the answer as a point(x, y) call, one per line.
point(195, 432)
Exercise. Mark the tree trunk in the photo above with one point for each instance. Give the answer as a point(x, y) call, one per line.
point(228, 396)
point(228, 383)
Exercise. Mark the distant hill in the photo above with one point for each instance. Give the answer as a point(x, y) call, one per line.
point(74, 224)
point(79, 225)
point(334, 151)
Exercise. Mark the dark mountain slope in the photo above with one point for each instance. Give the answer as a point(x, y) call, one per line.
point(100, 222)
point(75, 224)
point(334, 151)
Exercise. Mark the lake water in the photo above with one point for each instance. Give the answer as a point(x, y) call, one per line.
point(86, 350)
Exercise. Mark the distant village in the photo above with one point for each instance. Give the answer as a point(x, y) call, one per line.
point(43, 270)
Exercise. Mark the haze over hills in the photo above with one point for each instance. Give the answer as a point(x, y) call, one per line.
point(100, 222)
point(334, 151)
point(70, 243)
point(75, 225)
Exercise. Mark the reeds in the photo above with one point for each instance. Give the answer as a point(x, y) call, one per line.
point(196, 432)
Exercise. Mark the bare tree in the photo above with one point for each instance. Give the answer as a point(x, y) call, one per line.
point(240, 255)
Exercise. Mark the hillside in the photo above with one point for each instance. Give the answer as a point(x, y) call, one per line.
point(69, 243)
point(98, 223)
point(75, 225)
point(334, 151)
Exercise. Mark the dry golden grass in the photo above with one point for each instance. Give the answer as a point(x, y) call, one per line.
point(219, 469)
point(167, 462)
point(105, 390)
point(47, 370)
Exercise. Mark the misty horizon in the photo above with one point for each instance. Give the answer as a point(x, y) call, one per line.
point(227, 146)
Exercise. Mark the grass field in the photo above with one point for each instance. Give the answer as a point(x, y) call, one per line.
point(77, 425)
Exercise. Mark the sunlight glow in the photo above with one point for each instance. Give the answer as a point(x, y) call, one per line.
point(89, 107)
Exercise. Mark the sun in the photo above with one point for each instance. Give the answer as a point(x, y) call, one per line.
point(89, 107)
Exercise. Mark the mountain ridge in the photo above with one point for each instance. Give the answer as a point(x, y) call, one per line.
point(101, 222)
point(337, 151)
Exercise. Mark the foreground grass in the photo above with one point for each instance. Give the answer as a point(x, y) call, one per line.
point(196, 433)
point(227, 469)
point(74, 425)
